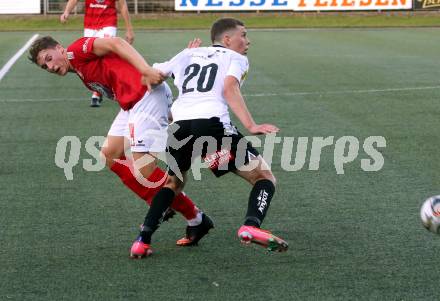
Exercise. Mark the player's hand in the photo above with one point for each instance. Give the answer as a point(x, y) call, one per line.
point(129, 36)
point(152, 77)
point(195, 43)
point(264, 128)
point(64, 17)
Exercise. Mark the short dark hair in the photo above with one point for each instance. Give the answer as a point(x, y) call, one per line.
point(221, 26)
point(42, 43)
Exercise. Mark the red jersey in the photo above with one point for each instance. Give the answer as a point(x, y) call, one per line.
point(100, 13)
point(109, 75)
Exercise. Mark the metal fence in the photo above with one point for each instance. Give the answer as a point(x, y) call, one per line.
point(134, 6)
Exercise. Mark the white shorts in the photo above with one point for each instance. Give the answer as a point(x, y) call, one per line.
point(146, 124)
point(100, 33)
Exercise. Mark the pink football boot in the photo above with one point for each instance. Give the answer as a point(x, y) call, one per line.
point(250, 234)
point(140, 250)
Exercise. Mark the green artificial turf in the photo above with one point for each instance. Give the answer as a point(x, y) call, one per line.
point(352, 236)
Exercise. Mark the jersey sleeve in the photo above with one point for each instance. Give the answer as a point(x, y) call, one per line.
point(238, 68)
point(82, 49)
point(169, 67)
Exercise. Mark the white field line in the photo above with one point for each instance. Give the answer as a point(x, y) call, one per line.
point(257, 94)
point(13, 59)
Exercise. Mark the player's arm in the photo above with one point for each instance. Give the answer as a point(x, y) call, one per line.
point(129, 34)
point(167, 67)
point(69, 7)
point(232, 94)
point(103, 46)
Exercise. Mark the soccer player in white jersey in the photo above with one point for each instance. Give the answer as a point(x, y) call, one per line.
point(209, 80)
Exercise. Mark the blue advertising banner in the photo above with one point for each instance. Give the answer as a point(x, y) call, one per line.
point(249, 5)
point(293, 5)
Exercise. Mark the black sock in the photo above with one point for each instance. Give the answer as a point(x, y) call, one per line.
point(259, 201)
point(161, 201)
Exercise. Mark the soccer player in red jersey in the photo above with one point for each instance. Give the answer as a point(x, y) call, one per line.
point(115, 69)
point(101, 20)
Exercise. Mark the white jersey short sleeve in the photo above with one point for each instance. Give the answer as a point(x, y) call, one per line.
point(172, 65)
point(199, 74)
point(239, 68)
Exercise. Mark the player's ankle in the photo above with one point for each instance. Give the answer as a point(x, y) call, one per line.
point(196, 220)
point(145, 234)
point(252, 221)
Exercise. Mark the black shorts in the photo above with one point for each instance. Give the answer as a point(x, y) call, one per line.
point(221, 147)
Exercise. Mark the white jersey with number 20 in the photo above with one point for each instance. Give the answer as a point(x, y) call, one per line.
point(199, 74)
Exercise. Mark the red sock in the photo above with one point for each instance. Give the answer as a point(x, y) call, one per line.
point(185, 206)
point(181, 203)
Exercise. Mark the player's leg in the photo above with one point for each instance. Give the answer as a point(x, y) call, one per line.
point(196, 229)
point(263, 188)
point(141, 247)
point(182, 159)
point(236, 154)
point(124, 169)
point(113, 148)
point(161, 202)
point(148, 123)
point(113, 151)
point(147, 127)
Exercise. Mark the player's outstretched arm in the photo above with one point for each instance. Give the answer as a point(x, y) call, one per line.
point(69, 7)
point(129, 34)
point(232, 94)
point(103, 46)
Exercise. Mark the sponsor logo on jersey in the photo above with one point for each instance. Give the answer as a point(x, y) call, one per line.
point(103, 6)
point(70, 55)
point(200, 56)
point(85, 45)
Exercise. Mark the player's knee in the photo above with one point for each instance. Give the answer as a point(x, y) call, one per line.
point(271, 178)
point(106, 155)
point(265, 175)
point(174, 183)
point(144, 171)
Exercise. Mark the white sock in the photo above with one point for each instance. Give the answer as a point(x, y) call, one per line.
point(195, 221)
